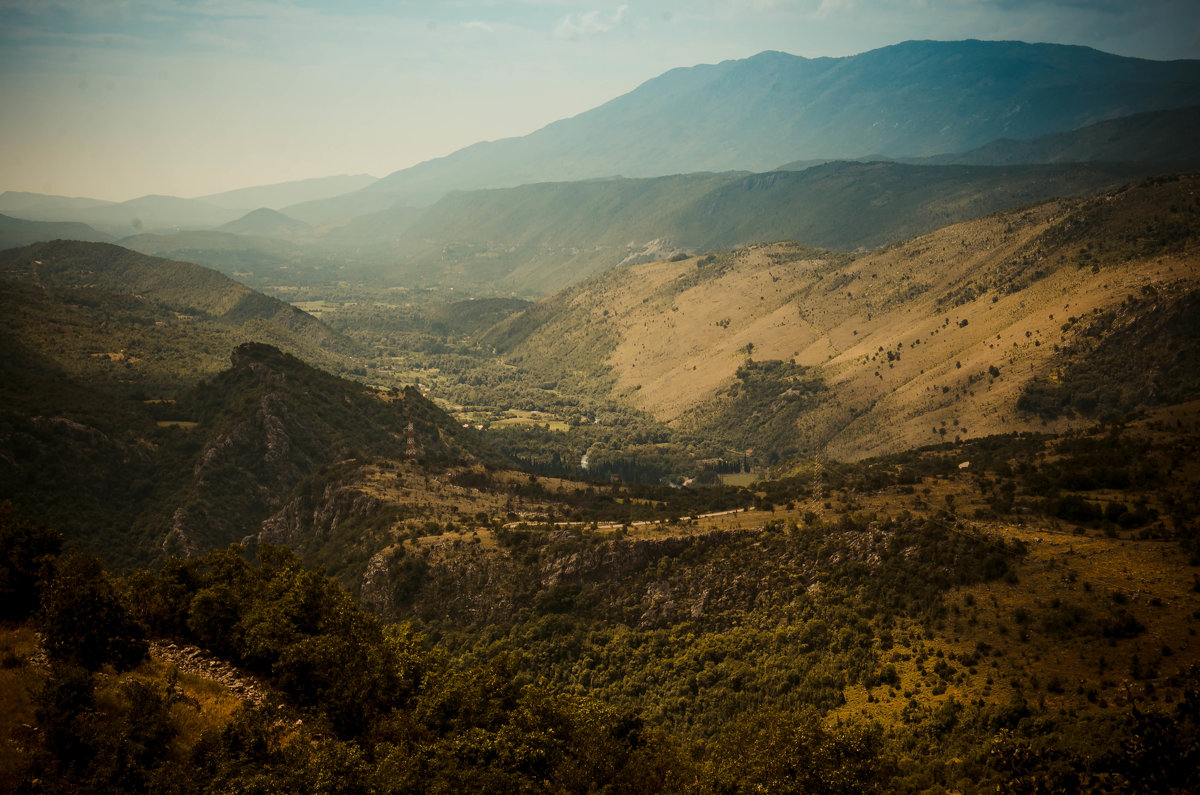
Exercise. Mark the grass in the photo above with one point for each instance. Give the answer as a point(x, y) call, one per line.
point(1076, 674)
point(19, 680)
point(532, 418)
point(205, 704)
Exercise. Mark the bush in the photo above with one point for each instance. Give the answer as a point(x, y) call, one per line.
point(27, 552)
point(84, 622)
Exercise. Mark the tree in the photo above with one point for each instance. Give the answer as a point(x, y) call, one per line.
point(83, 621)
point(27, 553)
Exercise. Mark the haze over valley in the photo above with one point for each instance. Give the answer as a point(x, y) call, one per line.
point(785, 423)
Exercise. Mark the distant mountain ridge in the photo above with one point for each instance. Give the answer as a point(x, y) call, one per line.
point(144, 214)
point(1165, 136)
point(267, 223)
point(280, 195)
point(255, 260)
point(918, 98)
point(171, 213)
point(182, 286)
point(537, 238)
point(17, 232)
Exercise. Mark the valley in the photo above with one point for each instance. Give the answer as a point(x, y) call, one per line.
point(505, 473)
point(948, 539)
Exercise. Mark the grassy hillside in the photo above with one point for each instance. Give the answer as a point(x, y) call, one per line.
point(928, 339)
point(183, 287)
point(102, 314)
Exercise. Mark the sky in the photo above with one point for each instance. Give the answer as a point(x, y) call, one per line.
point(114, 99)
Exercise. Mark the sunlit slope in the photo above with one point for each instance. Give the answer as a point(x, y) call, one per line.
point(942, 332)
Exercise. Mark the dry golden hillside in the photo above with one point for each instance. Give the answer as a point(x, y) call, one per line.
point(919, 342)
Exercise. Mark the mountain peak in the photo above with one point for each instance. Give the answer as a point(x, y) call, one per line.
point(259, 353)
point(267, 223)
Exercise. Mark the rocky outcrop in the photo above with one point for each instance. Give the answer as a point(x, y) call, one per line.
point(197, 662)
point(247, 470)
point(275, 430)
point(311, 519)
point(376, 593)
point(611, 558)
point(462, 583)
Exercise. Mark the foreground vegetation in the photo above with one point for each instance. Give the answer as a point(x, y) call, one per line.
point(897, 625)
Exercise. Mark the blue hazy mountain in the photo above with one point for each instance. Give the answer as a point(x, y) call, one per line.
point(914, 99)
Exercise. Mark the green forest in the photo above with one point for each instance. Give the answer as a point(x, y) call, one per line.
point(349, 704)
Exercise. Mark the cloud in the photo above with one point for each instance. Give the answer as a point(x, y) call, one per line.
point(482, 27)
point(590, 23)
point(830, 7)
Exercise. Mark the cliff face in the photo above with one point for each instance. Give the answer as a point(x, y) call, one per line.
point(312, 519)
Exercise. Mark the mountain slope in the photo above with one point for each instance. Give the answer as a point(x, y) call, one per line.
point(338, 210)
point(1166, 136)
point(532, 238)
point(101, 313)
point(542, 237)
point(270, 422)
point(937, 336)
point(17, 232)
point(916, 98)
point(259, 261)
point(181, 285)
point(267, 223)
point(280, 195)
point(202, 470)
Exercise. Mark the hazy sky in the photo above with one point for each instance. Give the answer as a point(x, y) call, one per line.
point(115, 99)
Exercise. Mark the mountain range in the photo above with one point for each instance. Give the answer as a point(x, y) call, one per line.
point(914, 99)
point(172, 213)
point(17, 232)
point(283, 194)
point(918, 98)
